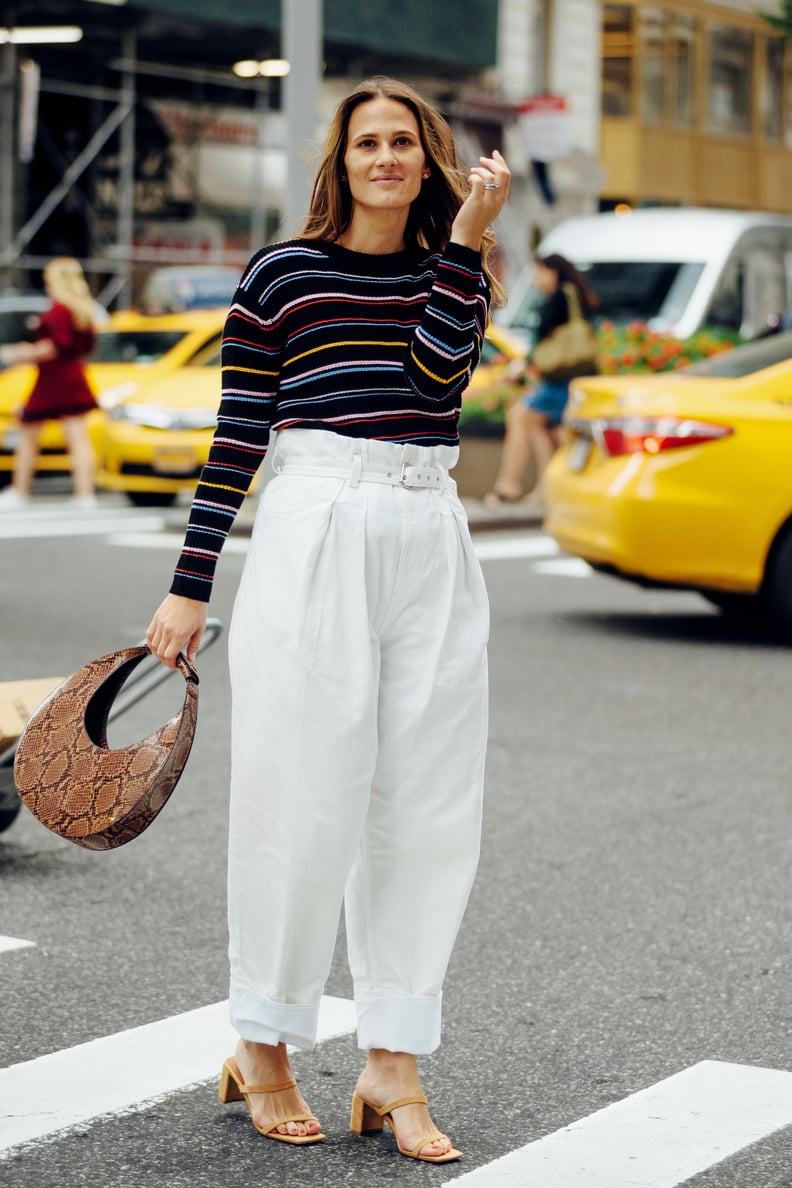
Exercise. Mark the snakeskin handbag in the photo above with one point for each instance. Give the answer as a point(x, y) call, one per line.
point(74, 783)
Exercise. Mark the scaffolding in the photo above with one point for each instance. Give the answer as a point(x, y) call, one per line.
point(115, 260)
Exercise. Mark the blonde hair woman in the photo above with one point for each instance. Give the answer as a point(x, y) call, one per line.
point(64, 337)
point(358, 641)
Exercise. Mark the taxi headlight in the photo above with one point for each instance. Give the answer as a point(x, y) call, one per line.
point(110, 397)
point(154, 416)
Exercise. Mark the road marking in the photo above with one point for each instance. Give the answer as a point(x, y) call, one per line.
point(88, 523)
point(8, 943)
point(657, 1138)
point(127, 1071)
point(564, 567)
point(497, 548)
point(172, 541)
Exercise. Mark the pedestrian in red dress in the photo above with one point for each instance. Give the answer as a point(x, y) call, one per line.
point(65, 336)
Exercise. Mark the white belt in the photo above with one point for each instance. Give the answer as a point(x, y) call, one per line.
point(359, 471)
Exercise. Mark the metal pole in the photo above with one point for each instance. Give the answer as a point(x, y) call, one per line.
point(302, 45)
point(7, 162)
point(126, 171)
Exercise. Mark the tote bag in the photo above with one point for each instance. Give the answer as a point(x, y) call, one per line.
point(571, 349)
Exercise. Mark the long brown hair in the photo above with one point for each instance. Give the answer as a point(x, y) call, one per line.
point(442, 193)
point(569, 275)
point(67, 285)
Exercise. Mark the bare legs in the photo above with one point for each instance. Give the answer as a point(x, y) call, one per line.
point(527, 435)
point(25, 458)
point(389, 1076)
point(544, 442)
point(263, 1064)
point(80, 454)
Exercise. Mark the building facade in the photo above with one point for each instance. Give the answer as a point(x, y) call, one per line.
point(143, 148)
point(696, 106)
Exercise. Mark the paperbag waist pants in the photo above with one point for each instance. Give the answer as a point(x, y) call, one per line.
point(359, 722)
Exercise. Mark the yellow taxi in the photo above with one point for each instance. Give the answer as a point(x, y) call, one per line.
point(154, 442)
point(498, 351)
point(130, 347)
point(683, 479)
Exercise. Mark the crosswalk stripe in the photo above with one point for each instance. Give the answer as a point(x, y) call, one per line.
point(500, 548)
point(172, 541)
point(8, 943)
point(564, 567)
point(126, 1071)
point(80, 524)
point(488, 548)
point(659, 1137)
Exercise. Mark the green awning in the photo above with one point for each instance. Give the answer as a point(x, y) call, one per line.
point(451, 32)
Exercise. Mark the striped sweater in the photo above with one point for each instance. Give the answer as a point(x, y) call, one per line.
point(321, 337)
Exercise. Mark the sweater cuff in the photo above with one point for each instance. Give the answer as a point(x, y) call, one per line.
point(199, 589)
point(458, 253)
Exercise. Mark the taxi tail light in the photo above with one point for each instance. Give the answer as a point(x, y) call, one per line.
point(653, 435)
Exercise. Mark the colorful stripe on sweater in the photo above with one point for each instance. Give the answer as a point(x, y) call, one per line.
point(320, 337)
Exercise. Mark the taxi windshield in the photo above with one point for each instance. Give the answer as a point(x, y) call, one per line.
point(135, 346)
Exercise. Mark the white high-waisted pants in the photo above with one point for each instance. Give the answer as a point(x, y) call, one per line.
point(359, 682)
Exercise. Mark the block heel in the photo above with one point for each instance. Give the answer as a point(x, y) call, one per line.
point(228, 1090)
point(366, 1118)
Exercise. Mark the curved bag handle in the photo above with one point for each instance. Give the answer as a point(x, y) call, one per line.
point(74, 783)
point(573, 301)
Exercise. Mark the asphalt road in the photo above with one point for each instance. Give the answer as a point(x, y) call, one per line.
point(632, 915)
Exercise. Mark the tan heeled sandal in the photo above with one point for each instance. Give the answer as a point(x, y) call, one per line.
point(233, 1088)
point(369, 1119)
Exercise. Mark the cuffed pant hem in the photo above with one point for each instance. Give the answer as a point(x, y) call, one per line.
point(262, 1021)
point(399, 1024)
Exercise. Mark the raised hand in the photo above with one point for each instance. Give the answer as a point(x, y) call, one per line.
point(489, 189)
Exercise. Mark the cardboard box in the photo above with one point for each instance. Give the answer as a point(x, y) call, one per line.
point(18, 700)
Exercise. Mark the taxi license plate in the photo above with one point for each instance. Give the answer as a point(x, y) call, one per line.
point(579, 452)
point(172, 460)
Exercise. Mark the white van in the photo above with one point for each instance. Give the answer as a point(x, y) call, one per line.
point(677, 269)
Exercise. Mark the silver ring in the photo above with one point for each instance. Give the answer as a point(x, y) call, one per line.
point(491, 185)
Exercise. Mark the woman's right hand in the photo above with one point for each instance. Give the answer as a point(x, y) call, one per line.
point(177, 626)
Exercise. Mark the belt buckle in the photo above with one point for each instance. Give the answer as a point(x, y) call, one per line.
point(403, 475)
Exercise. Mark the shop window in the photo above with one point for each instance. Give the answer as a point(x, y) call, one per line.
point(668, 67)
point(617, 59)
point(682, 69)
point(773, 88)
point(730, 79)
point(653, 72)
point(786, 100)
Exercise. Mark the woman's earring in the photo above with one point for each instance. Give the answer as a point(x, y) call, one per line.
point(426, 172)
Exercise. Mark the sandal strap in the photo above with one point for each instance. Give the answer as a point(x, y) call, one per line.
point(417, 1099)
point(290, 1118)
point(269, 1088)
point(433, 1137)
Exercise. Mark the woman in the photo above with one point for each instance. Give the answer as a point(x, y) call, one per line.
point(358, 641)
point(533, 423)
point(64, 337)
